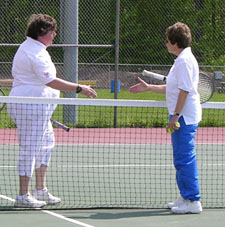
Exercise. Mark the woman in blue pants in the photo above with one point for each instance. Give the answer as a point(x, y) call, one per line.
point(183, 104)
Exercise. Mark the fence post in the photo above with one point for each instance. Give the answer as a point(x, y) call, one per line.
point(116, 57)
point(70, 36)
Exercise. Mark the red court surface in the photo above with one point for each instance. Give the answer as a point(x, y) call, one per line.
point(120, 136)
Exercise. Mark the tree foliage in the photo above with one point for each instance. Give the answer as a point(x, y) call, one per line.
point(142, 27)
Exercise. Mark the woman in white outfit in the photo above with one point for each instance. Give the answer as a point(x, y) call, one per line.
point(35, 76)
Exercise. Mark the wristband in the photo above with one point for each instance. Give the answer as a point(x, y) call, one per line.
point(79, 89)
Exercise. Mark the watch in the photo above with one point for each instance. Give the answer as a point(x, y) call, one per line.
point(176, 114)
point(79, 89)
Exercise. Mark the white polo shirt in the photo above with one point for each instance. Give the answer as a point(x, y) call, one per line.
point(32, 69)
point(184, 75)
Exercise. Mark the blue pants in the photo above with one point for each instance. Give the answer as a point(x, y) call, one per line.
point(184, 157)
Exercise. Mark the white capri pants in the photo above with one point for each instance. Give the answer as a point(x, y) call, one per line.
point(35, 134)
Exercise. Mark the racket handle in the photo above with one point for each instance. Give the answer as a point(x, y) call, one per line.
point(60, 125)
point(153, 75)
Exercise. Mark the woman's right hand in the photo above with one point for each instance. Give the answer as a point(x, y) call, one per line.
point(88, 91)
point(140, 87)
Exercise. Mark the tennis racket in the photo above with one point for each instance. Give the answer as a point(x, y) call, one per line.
point(206, 86)
point(60, 125)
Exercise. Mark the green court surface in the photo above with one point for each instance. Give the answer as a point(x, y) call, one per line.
point(91, 176)
point(112, 218)
point(105, 175)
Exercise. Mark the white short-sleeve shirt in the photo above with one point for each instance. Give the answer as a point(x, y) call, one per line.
point(32, 69)
point(184, 75)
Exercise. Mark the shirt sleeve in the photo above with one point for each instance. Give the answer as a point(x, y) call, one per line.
point(184, 77)
point(43, 67)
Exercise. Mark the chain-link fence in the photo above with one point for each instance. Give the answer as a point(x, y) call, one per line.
point(88, 44)
point(89, 27)
point(96, 35)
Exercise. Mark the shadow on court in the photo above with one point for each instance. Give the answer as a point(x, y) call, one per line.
point(144, 217)
point(123, 214)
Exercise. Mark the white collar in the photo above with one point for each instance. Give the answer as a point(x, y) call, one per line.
point(36, 42)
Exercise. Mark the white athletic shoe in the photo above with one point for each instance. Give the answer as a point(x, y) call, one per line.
point(44, 195)
point(189, 207)
point(27, 201)
point(176, 203)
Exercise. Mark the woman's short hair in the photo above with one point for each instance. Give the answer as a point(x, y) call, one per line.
point(179, 33)
point(39, 25)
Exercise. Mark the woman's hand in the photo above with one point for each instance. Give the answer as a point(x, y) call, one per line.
point(88, 91)
point(140, 87)
point(172, 125)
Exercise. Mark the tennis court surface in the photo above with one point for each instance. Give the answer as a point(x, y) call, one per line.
point(130, 167)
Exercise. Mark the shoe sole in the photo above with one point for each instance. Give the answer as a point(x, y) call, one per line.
point(52, 203)
point(26, 206)
point(47, 201)
point(188, 212)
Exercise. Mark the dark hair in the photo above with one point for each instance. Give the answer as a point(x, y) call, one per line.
point(179, 33)
point(39, 25)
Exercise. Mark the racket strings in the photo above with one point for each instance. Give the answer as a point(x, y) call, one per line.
point(205, 87)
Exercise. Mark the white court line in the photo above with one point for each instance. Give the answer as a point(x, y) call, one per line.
point(122, 166)
point(53, 214)
point(113, 166)
point(7, 166)
point(101, 145)
point(130, 166)
point(7, 198)
point(67, 219)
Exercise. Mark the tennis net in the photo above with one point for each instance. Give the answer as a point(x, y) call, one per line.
point(96, 165)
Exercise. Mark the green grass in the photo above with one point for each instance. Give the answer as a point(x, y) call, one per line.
point(218, 97)
point(145, 117)
point(124, 94)
point(130, 116)
point(102, 117)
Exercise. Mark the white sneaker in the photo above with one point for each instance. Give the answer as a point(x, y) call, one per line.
point(46, 196)
point(189, 207)
point(177, 203)
point(27, 201)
